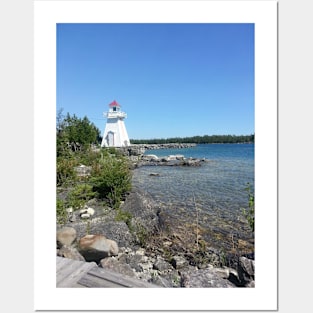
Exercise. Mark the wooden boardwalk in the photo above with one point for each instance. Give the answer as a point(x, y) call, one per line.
point(78, 274)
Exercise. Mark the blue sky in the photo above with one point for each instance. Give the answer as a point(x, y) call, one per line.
point(172, 80)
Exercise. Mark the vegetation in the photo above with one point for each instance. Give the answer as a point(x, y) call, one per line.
point(198, 139)
point(109, 175)
point(79, 195)
point(61, 212)
point(111, 179)
point(249, 213)
point(76, 133)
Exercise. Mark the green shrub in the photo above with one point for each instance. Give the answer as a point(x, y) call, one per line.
point(79, 196)
point(66, 174)
point(61, 212)
point(111, 179)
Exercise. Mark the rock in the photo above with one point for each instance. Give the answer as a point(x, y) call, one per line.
point(205, 278)
point(140, 251)
point(191, 162)
point(179, 157)
point(179, 262)
point(66, 236)
point(70, 253)
point(171, 157)
point(173, 277)
point(85, 215)
point(86, 212)
point(117, 266)
point(150, 157)
point(146, 266)
point(143, 210)
point(69, 210)
point(117, 231)
point(135, 261)
point(83, 170)
point(161, 265)
point(97, 247)
point(247, 265)
point(245, 270)
point(161, 281)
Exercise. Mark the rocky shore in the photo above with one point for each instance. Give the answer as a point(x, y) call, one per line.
point(136, 154)
point(140, 149)
point(140, 240)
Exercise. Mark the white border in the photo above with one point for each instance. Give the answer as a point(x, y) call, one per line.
point(264, 15)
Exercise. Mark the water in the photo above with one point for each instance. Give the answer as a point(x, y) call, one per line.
point(214, 192)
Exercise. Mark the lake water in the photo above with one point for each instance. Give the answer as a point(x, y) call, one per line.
point(215, 191)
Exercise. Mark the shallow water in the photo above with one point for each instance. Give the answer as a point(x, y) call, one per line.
point(213, 193)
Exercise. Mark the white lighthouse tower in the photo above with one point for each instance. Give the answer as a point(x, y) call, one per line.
point(115, 134)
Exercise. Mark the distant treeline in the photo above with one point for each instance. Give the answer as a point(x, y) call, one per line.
point(198, 139)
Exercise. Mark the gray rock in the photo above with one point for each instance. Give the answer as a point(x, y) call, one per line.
point(135, 262)
point(161, 265)
point(70, 253)
point(205, 278)
point(245, 270)
point(66, 236)
point(161, 281)
point(247, 265)
point(179, 262)
point(117, 266)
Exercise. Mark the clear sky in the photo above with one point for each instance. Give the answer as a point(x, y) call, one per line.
point(172, 80)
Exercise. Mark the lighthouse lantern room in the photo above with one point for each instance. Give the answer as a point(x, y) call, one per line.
point(115, 134)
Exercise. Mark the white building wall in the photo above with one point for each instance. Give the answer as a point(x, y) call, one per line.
point(115, 134)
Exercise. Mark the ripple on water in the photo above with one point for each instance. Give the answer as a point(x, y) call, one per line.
point(213, 194)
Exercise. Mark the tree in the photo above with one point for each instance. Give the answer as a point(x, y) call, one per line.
point(75, 132)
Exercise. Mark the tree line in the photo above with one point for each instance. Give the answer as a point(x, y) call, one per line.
point(198, 139)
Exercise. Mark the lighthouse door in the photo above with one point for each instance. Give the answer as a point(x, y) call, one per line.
point(110, 139)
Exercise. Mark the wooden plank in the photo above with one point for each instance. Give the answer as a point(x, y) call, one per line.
point(89, 281)
point(70, 271)
point(103, 278)
point(80, 274)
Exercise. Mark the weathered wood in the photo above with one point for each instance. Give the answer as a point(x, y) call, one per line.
point(79, 274)
point(70, 271)
point(100, 277)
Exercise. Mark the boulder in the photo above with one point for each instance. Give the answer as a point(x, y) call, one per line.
point(66, 236)
point(70, 253)
point(97, 247)
point(245, 270)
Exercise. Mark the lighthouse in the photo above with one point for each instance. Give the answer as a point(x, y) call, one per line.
point(115, 134)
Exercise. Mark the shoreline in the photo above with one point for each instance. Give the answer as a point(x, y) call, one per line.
point(155, 248)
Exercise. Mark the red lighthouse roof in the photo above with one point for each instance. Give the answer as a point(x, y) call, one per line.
point(114, 104)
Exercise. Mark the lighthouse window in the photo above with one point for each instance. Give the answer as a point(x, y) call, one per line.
point(114, 109)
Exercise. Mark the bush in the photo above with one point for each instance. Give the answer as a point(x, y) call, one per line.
point(78, 197)
point(65, 171)
point(61, 212)
point(111, 179)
